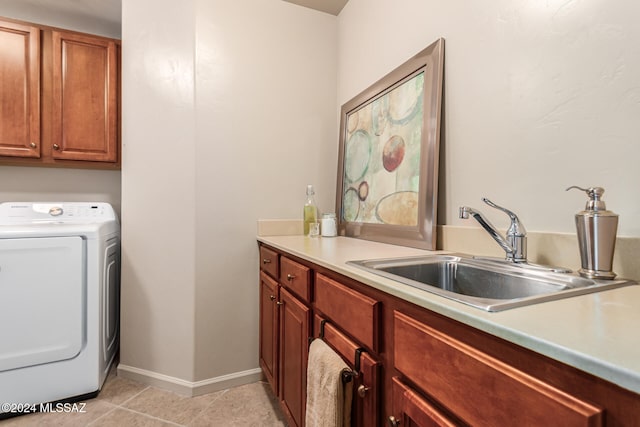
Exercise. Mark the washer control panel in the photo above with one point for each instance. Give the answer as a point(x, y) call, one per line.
point(58, 212)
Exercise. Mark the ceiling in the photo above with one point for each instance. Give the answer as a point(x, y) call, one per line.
point(106, 10)
point(329, 6)
point(110, 10)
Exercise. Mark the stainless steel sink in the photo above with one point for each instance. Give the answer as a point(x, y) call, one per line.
point(486, 284)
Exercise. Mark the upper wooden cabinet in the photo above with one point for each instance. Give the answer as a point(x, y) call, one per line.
point(84, 98)
point(19, 90)
point(59, 95)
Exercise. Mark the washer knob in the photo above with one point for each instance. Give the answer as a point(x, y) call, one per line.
point(55, 211)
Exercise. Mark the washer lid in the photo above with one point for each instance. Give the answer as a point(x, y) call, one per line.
point(55, 213)
point(49, 219)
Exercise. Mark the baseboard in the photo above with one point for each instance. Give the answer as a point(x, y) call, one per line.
point(189, 388)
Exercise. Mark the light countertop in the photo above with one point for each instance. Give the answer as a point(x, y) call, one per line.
point(596, 333)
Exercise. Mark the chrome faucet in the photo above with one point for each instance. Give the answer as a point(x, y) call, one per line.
point(515, 243)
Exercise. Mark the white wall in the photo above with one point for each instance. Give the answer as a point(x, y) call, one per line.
point(265, 100)
point(538, 96)
point(59, 185)
point(229, 112)
point(158, 188)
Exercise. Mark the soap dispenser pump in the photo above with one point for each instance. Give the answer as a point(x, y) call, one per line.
point(596, 227)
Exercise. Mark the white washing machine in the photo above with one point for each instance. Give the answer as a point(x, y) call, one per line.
point(59, 299)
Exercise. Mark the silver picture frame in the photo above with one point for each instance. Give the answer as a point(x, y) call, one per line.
point(387, 186)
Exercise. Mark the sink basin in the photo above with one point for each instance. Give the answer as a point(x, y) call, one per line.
point(486, 284)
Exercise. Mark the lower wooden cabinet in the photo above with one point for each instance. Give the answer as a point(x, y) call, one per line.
point(366, 381)
point(269, 262)
point(416, 367)
point(295, 330)
point(269, 294)
point(480, 389)
point(285, 328)
point(412, 410)
point(354, 312)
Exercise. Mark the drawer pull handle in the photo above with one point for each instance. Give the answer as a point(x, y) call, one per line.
point(272, 297)
point(266, 261)
point(392, 422)
point(279, 303)
point(362, 390)
point(290, 277)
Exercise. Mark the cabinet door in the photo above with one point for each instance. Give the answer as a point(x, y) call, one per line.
point(366, 399)
point(411, 410)
point(295, 322)
point(365, 403)
point(269, 329)
point(85, 89)
point(19, 90)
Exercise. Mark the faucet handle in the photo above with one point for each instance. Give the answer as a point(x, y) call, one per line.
point(463, 212)
point(516, 227)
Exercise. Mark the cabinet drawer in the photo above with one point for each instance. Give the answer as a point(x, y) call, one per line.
point(269, 262)
point(296, 277)
point(481, 390)
point(355, 313)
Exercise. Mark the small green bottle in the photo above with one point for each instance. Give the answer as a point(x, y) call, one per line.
point(310, 210)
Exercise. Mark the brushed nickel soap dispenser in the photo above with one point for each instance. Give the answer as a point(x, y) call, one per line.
point(596, 227)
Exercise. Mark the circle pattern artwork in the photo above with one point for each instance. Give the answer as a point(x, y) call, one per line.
point(398, 208)
point(357, 154)
point(393, 153)
point(350, 205)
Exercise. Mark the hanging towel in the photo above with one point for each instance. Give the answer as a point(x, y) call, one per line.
point(328, 399)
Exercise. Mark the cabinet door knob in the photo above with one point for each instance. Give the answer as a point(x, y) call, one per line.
point(279, 303)
point(33, 145)
point(56, 147)
point(266, 261)
point(362, 390)
point(272, 297)
point(392, 422)
point(290, 277)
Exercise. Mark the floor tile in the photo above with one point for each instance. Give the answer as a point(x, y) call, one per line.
point(65, 418)
point(170, 406)
point(123, 417)
point(245, 406)
point(118, 390)
point(127, 403)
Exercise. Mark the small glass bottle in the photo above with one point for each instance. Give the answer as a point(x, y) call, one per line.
point(310, 210)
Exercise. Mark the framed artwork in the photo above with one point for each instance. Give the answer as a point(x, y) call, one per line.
point(388, 157)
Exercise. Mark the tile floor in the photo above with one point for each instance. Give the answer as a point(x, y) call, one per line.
point(123, 403)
